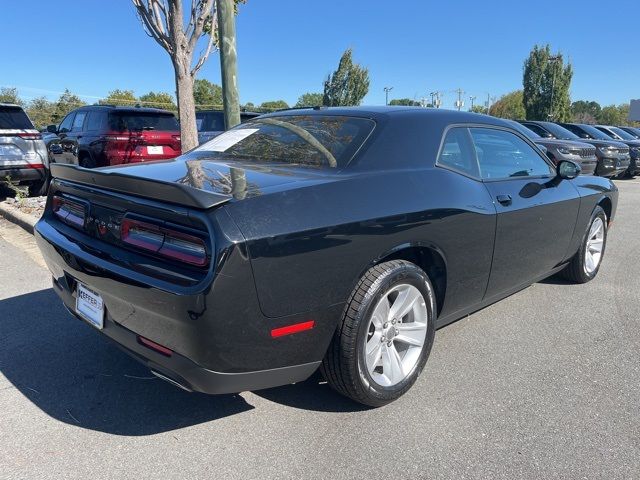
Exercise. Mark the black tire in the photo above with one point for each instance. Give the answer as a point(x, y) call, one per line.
point(344, 365)
point(87, 162)
point(576, 270)
point(40, 188)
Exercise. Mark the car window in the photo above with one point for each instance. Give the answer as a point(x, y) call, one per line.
point(624, 135)
point(65, 125)
point(78, 121)
point(123, 121)
point(210, 121)
point(577, 130)
point(457, 152)
point(14, 118)
point(503, 154)
point(537, 129)
point(96, 121)
point(305, 140)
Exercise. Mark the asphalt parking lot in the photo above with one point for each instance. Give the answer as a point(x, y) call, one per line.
point(545, 384)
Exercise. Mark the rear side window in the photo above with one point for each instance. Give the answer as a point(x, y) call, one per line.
point(96, 121)
point(14, 118)
point(78, 122)
point(502, 154)
point(306, 140)
point(128, 121)
point(457, 153)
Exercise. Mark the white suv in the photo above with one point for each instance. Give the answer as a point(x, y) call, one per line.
point(23, 153)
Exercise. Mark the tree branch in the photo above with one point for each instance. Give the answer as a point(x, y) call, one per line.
point(152, 28)
point(203, 56)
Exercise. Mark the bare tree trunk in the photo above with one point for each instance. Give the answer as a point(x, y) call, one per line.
point(186, 108)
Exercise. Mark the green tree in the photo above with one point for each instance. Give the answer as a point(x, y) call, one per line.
point(42, 112)
point(207, 95)
point(66, 102)
point(583, 111)
point(479, 109)
point(309, 99)
point(348, 85)
point(614, 115)
point(509, 106)
point(158, 100)
point(406, 102)
point(274, 105)
point(547, 81)
point(120, 97)
point(10, 95)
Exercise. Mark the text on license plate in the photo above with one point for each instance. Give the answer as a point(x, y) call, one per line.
point(89, 305)
point(155, 150)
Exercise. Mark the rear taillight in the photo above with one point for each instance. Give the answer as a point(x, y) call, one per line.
point(116, 138)
point(30, 136)
point(69, 211)
point(164, 241)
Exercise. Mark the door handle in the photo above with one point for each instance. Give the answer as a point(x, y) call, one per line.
point(504, 200)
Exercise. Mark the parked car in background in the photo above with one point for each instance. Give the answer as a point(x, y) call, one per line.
point(101, 135)
point(591, 133)
point(211, 123)
point(613, 157)
point(336, 238)
point(632, 142)
point(558, 150)
point(23, 154)
point(633, 131)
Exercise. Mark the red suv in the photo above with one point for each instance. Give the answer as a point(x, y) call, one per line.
point(101, 135)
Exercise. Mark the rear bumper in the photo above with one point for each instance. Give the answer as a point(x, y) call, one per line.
point(214, 350)
point(22, 174)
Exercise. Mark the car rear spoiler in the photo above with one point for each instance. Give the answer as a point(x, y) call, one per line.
point(172, 192)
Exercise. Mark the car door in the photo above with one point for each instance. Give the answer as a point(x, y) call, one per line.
point(536, 210)
point(56, 146)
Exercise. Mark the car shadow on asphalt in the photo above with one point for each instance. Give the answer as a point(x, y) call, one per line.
point(79, 377)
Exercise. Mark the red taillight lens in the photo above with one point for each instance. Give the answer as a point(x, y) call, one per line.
point(69, 211)
point(30, 136)
point(164, 241)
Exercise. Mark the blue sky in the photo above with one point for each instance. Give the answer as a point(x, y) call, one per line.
point(287, 47)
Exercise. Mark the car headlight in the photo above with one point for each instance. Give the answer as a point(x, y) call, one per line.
point(568, 151)
point(606, 149)
point(635, 151)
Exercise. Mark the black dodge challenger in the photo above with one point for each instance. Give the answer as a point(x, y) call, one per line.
point(337, 239)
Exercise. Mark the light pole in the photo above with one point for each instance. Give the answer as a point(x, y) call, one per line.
point(459, 102)
point(473, 99)
point(553, 59)
point(386, 94)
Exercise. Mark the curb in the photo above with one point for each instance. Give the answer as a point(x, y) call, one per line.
point(14, 215)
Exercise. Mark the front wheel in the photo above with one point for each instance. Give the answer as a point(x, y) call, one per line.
point(385, 336)
point(586, 263)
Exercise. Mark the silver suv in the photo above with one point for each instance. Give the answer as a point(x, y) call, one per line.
point(23, 154)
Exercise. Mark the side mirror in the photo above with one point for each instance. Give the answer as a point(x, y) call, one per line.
point(52, 128)
point(584, 135)
point(568, 170)
point(547, 135)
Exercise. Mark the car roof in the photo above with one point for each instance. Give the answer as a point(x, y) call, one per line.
point(386, 112)
point(13, 105)
point(123, 108)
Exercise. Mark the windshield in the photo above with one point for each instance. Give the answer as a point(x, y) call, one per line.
point(622, 134)
point(14, 118)
point(560, 132)
point(593, 132)
point(122, 121)
point(308, 140)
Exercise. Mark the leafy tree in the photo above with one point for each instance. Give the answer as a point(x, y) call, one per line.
point(120, 97)
point(158, 100)
point(249, 106)
point(42, 112)
point(479, 109)
point(348, 85)
point(207, 95)
point(509, 106)
point(67, 102)
point(614, 115)
point(164, 21)
point(407, 102)
point(546, 81)
point(274, 105)
point(309, 99)
point(583, 111)
point(10, 95)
